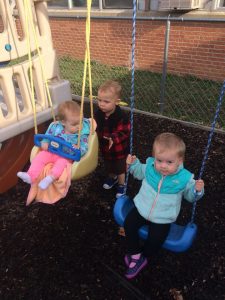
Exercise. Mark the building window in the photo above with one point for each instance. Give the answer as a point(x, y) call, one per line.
point(83, 3)
point(71, 3)
point(117, 3)
point(58, 3)
point(218, 4)
point(95, 3)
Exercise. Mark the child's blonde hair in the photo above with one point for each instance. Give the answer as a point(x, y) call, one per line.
point(169, 141)
point(66, 106)
point(112, 86)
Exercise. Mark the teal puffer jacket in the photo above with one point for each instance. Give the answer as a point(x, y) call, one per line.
point(159, 198)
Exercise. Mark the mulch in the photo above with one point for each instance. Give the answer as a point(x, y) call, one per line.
point(71, 250)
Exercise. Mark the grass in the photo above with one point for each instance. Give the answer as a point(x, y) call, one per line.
point(186, 98)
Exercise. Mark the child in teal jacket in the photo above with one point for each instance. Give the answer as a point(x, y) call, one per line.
point(165, 182)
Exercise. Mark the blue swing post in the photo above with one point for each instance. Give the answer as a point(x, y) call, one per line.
point(180, 238)
point(58, 146)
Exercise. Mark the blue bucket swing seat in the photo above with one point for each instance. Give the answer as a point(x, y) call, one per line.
point(180, 238)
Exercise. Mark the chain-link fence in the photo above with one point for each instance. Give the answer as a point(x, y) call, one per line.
point(184, 97)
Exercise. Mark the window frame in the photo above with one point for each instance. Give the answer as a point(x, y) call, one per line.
point(101, 4)
point(71, 6)
point(218, 5)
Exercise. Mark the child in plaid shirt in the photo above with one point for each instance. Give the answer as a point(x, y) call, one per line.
point(113, 129)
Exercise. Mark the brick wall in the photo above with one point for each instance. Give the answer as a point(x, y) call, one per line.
point(196, 48)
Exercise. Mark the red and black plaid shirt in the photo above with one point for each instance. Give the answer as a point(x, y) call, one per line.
point(117, 127)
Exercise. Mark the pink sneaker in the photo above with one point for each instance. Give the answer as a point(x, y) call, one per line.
point(139, 265)
point(127, 259)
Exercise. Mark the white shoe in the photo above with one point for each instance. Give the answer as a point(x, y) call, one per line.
point(44, 183)
point(25, 177)
point(110, 182)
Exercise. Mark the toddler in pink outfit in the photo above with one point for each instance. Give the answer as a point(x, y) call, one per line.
point(67, 128)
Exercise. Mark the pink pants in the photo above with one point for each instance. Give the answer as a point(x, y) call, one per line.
point(42, 159)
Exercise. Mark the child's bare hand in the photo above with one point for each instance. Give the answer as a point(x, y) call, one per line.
point(110, 141)
point(44, 146)
point(75, 146)
point(131, 159)
point(199, 185)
